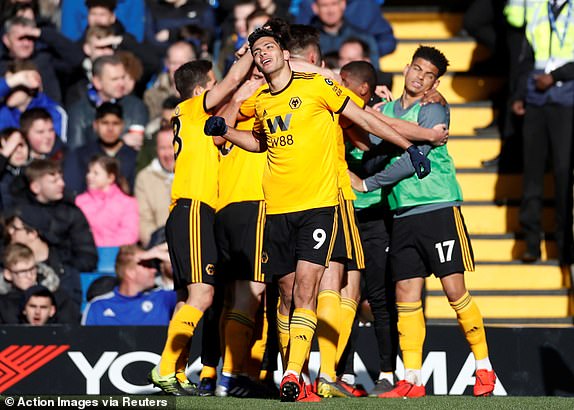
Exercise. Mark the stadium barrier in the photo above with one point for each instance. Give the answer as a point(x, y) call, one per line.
point(69, 360)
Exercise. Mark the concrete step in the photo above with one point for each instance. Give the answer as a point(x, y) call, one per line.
point(507, 249)
point(459, 88)
point(461, 53)
point(509, 276)
point(484, 218)
point(469, 152)
point(490, 186)
point(424, 25)
point(464, 118)
point(511, 305)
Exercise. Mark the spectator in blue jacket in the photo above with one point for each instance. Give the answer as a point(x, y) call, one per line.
point(75, 19)
point(53, 54)
point(335, 29)
point(21, 90)
point(364, 15)
point(135, 301)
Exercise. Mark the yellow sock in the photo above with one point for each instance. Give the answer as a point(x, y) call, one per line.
point(301, 331)
point(252, 365)
point(470, 321)
point(179, 334)
point(181, 364)
point(348, 313)
point(412, 332)
point(283, 330)
point(208, 372)
point(328, 323)
point(238, 334)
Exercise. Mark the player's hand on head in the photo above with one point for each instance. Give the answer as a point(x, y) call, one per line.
point(384, 93)
point(432, 96)
point(420, 162)
point(215, 126)
point(241, 51)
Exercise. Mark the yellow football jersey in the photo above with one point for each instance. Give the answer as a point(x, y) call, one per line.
point(300, 125)
point(240, 172)
point(344, 180)
point(196, 156)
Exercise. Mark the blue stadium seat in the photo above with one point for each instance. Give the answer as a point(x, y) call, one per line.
point(86, 279)
point(107, 258)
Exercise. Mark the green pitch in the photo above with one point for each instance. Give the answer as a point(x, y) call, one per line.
point(426, 403)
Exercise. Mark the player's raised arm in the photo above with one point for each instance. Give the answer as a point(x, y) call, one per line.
point(235, 76)
point(369, 122)
point(437, 135)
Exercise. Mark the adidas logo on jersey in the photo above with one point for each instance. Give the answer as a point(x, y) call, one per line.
point(109, 313)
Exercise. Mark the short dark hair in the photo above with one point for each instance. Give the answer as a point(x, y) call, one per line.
point(33, 114)
point(6, 132)
point(276, 28)
point(107, 4)
point(301, 37)
point(362, 71)
point(109, 108)
point(190, 75)
point(38, 290)
point(170, 102)
point(434, 56)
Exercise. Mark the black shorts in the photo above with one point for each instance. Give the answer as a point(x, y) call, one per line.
point(239, 235)
point(190, 237)
point(305, 235)
point(433, 242)
point(348, 248)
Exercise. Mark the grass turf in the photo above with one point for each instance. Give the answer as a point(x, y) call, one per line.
point(431, 402)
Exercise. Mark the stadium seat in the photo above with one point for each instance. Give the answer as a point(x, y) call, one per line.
point(107, 258)
point(86, 279)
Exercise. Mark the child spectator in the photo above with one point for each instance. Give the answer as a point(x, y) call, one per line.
point(14, 155)
point(37, 127)
point(112, 214)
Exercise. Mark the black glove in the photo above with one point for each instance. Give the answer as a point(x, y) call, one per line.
point(215, 126)
point(419, 161)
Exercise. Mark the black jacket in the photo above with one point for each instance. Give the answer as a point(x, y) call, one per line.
point(67, 311)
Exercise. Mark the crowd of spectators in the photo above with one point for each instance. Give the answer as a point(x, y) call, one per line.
point(86, 156)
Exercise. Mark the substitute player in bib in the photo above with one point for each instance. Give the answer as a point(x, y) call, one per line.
point(295, 124)
point(190, 225)
point(429, 234)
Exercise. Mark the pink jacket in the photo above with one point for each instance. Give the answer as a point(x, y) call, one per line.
point(112, 215)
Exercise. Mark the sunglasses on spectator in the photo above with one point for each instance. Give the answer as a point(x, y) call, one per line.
point(148, 263)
